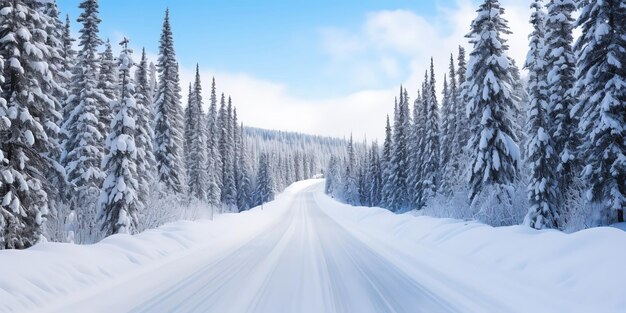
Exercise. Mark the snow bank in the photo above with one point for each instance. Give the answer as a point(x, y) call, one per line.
point(585, 270)
point(41, 276)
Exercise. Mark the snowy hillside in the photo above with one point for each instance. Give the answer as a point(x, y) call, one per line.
point(282, 258)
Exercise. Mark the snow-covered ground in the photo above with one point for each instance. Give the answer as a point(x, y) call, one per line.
point(305, 252)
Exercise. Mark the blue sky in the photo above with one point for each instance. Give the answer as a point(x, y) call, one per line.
point(342, 56)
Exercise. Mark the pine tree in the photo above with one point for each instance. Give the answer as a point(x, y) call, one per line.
point(68, 54)
point(118, 205)
point(375, 176)
point(601, 90)
point(213, 157)
point(542, 187)
point(350, 184)
point(452, 156)
point(187, 131)
point(387, 183)
point(264, 183)
point(431, 172)
point(399, 157)
point(493, 147)
point(461, 116)
point(229, 192)
point(196, 171)
point(25, 107)
point(107, 82)
point(561, 64)
point(244, 183)
point(332, 176)
point(82, 126)
point(168, 124)
point(417, 150)
point(146, 164)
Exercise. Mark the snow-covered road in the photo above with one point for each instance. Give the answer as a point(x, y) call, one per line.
point(304, 262)
point(307, 253)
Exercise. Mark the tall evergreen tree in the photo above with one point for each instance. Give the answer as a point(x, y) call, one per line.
point(350, 183)
point(213, 157)
point(107, 82)
point(431, 162)
point(541, 156)
point(417, 151)
point(244, 184)
point(561, 65)
point(387, 183)
point(461, 117)
point(118, 205)
point(399, 156)
point(264, 182)
point(601, 90)
point(25, 108)
point(168, 124)
point(375, 176)
point(229, 192)
point(196, 171)
point(82, 126)
point(493, 147)
point(146, 164)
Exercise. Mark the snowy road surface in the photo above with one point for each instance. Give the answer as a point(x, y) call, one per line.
point(306, 253)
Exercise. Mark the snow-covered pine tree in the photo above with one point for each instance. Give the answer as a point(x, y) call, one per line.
point(561, 66)
point(350, 183)
point(431, 171)
point(416, 156)
point(146, 165)
point(601, 90)
point(399, 156)
point(25, 108)
point(461, 117)
point(493, 148)
point(187, 130)
point(68, 54)
point(244, 182)
point(387, 181)
point(196, 170)
point(118, 206)
point(375, 176)
point(107, 82)
point(451, 162)
point(153, 79)
point(264, 182)
point(84, 129)
point(332, 176)
point(542, 188)
point(229, 192)
point(168, 124)
point(213, 157)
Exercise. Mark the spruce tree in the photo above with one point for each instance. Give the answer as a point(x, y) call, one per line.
point(107, 82)
point(26, 106)
point(168, 124)
point(399, 155)
point(229, 192)
point(461, 116)
point(561, 65)
point(244, 184)
point(601, 94)
point(82, 125)
point(375, 176)
point(431, 172)
point(417, 151)
point(119, 205)
point(196, 171)
point(264, 182)
point(350, 183)
point(213, 156)
point(146, 164)
point(493, 148)
point(387, 181)
point(541, 156)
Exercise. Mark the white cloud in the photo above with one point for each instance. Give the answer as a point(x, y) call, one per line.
point(389, 48)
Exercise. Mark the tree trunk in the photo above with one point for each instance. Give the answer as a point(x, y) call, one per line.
point(620, 216)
